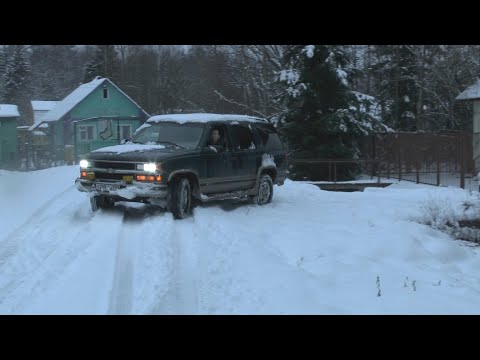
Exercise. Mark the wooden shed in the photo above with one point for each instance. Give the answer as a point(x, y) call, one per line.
point(8, 135)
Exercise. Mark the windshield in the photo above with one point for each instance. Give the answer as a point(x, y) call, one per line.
point(170, 134)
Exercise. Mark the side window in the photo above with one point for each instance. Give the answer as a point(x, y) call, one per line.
point(242, 138)
point(269, 137)
point(221, 131)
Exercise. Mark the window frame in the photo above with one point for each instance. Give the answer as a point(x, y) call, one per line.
point(122, 133)
point(234, 142)
point(105, 92)
point(84, 128)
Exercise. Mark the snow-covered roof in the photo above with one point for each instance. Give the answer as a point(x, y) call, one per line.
point(43, 105)
point(473, 92)
point(202, 117)
point(7, 110)
point(38, 124)
point(72, 100)
point(67, 104)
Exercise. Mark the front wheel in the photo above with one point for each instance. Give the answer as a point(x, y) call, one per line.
point(265, 191)
point(180, 198)
point(101, 202)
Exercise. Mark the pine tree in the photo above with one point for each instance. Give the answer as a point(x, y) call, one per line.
point(56, 71)
point(105, 63)
point(324, 117)
point(3, 69)
point(17, 88)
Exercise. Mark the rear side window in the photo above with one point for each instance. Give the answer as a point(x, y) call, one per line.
point(242, 138)
point(269, 137)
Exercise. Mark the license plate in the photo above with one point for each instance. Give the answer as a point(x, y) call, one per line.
point(106, 187)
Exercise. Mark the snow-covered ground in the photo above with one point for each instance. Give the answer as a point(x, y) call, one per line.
point(308, 252)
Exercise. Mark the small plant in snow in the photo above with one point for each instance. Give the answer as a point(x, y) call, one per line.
point(414, 282)
point(405, 282)
point(467, 205)
point(438, 213)
point(379, 293)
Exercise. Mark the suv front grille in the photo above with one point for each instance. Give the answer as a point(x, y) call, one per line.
point(113, 165)
point(106, 176)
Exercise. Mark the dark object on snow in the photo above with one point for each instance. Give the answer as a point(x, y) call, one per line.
point(171, 162)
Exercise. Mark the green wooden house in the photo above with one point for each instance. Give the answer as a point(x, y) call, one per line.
point(95, 115)
point(8, 135)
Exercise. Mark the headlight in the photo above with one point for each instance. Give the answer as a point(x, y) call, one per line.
point(84, 164)
point(150, 167)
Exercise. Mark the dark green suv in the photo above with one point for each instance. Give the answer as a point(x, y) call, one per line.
point(172, 162)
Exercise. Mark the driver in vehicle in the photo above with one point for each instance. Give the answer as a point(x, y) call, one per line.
point(216, 142)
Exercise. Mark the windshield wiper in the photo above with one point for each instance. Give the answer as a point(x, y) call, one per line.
point(171, 143)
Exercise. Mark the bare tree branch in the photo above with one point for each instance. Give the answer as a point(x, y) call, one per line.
point(192, 103)
point(236, 103)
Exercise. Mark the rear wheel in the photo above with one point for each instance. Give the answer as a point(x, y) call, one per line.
point(265, 191)
point(180, 198)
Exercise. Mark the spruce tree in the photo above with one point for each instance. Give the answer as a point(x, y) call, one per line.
point(324, 118)
point(105, 63)
point(17, 88)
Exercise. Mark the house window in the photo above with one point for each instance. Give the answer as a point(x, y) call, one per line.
point(86, 132)
point(125, 131)
point(105, 93)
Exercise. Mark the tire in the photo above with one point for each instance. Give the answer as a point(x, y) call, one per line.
point(106, 202)
point(180, 198)
point(101, 202)
point(265, 191)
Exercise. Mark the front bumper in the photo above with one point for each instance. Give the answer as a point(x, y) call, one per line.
point(123, 190)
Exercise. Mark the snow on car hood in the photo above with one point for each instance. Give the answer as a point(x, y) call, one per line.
point(119, 149)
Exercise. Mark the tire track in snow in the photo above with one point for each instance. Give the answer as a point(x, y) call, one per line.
point(203, 258)
point(182, 296)
point(45, 208)
point(153, 266)
point(122, 289)
point(36, 240)
point(26, 283)
point(122, 294)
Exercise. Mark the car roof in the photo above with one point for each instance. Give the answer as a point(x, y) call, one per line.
point(204, 118)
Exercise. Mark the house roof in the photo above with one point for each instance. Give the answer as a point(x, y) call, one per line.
point(72, 100)
point(473, 92)
point(75, 97)
point(43, 105)
point(7, 110)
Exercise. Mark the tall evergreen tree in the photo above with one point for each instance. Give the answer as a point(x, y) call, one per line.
point(56, 71)
point(396, 72)
point(17, 89)
point(105, 63)
point(324, 118)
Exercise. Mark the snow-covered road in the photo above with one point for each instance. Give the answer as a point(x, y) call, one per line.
point(308, 252)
